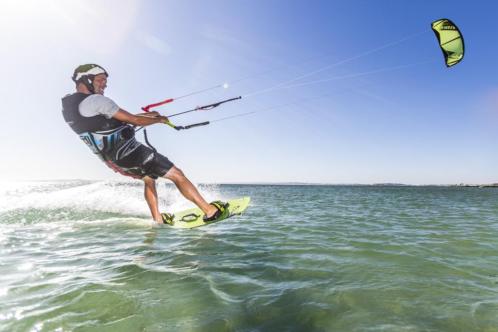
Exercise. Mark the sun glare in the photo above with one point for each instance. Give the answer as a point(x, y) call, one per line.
point(76, 20)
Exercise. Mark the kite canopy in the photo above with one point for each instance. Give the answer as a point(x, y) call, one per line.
point(450, 40)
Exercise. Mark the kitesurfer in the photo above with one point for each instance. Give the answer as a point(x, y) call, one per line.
point(109, 132)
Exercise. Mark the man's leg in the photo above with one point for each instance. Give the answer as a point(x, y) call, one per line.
point(189, 191)
point(150, 194)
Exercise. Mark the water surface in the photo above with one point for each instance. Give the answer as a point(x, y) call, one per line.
point(83, 256)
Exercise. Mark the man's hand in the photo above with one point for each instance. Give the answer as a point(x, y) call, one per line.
point(155, 114)
point(149, 114)
point(142, 120)
point(163, 119)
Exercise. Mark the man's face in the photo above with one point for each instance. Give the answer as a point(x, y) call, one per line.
point(100, 83)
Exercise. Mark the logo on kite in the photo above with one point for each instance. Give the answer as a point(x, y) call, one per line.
point(450, 40)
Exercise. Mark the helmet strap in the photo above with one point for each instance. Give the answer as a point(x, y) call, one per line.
point(89, 84)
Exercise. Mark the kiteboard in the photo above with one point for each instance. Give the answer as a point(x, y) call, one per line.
point(192, 218)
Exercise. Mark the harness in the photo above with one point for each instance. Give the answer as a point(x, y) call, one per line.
point(109, 139)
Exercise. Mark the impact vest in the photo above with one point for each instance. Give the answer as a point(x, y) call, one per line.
point(110, 139)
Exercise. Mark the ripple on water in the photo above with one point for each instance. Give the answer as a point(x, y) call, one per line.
point(303, 258)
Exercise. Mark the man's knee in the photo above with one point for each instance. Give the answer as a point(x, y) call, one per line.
point(148, 181)
point(175, 174)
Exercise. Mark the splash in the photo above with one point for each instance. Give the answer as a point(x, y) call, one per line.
point(88, 199)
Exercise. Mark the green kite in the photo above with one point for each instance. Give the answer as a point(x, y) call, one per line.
point(450, 40)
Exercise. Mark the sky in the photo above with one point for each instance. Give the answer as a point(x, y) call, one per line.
point(338, 91)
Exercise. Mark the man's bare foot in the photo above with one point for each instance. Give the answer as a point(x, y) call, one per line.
point(212, 210)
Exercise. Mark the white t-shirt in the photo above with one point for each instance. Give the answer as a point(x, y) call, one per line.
point(98, 105)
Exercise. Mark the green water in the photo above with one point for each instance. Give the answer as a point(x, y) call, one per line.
point(82, 256)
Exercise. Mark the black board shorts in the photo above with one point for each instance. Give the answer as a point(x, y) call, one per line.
point(143, 161)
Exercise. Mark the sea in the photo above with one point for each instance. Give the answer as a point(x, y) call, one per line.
point(85, 256)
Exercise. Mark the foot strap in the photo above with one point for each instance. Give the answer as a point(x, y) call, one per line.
point(168, 218)
point(221, 208)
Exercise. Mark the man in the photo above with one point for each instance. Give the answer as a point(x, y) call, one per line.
point(109, 132)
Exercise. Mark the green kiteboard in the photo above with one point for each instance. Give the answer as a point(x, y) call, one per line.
point(192, 218)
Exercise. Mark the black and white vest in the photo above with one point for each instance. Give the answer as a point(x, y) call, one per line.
point(110, 139)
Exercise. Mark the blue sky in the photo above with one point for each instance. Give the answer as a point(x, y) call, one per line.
point(393, 115)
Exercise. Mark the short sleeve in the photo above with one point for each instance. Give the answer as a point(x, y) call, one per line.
point(98, 105)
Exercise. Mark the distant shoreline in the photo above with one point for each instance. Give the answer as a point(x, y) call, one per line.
point(387, 184)
point(463, 185)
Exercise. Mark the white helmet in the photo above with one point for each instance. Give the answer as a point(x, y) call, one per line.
point(86, 74)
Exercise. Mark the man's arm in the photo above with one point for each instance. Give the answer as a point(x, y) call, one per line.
point(141, 120)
